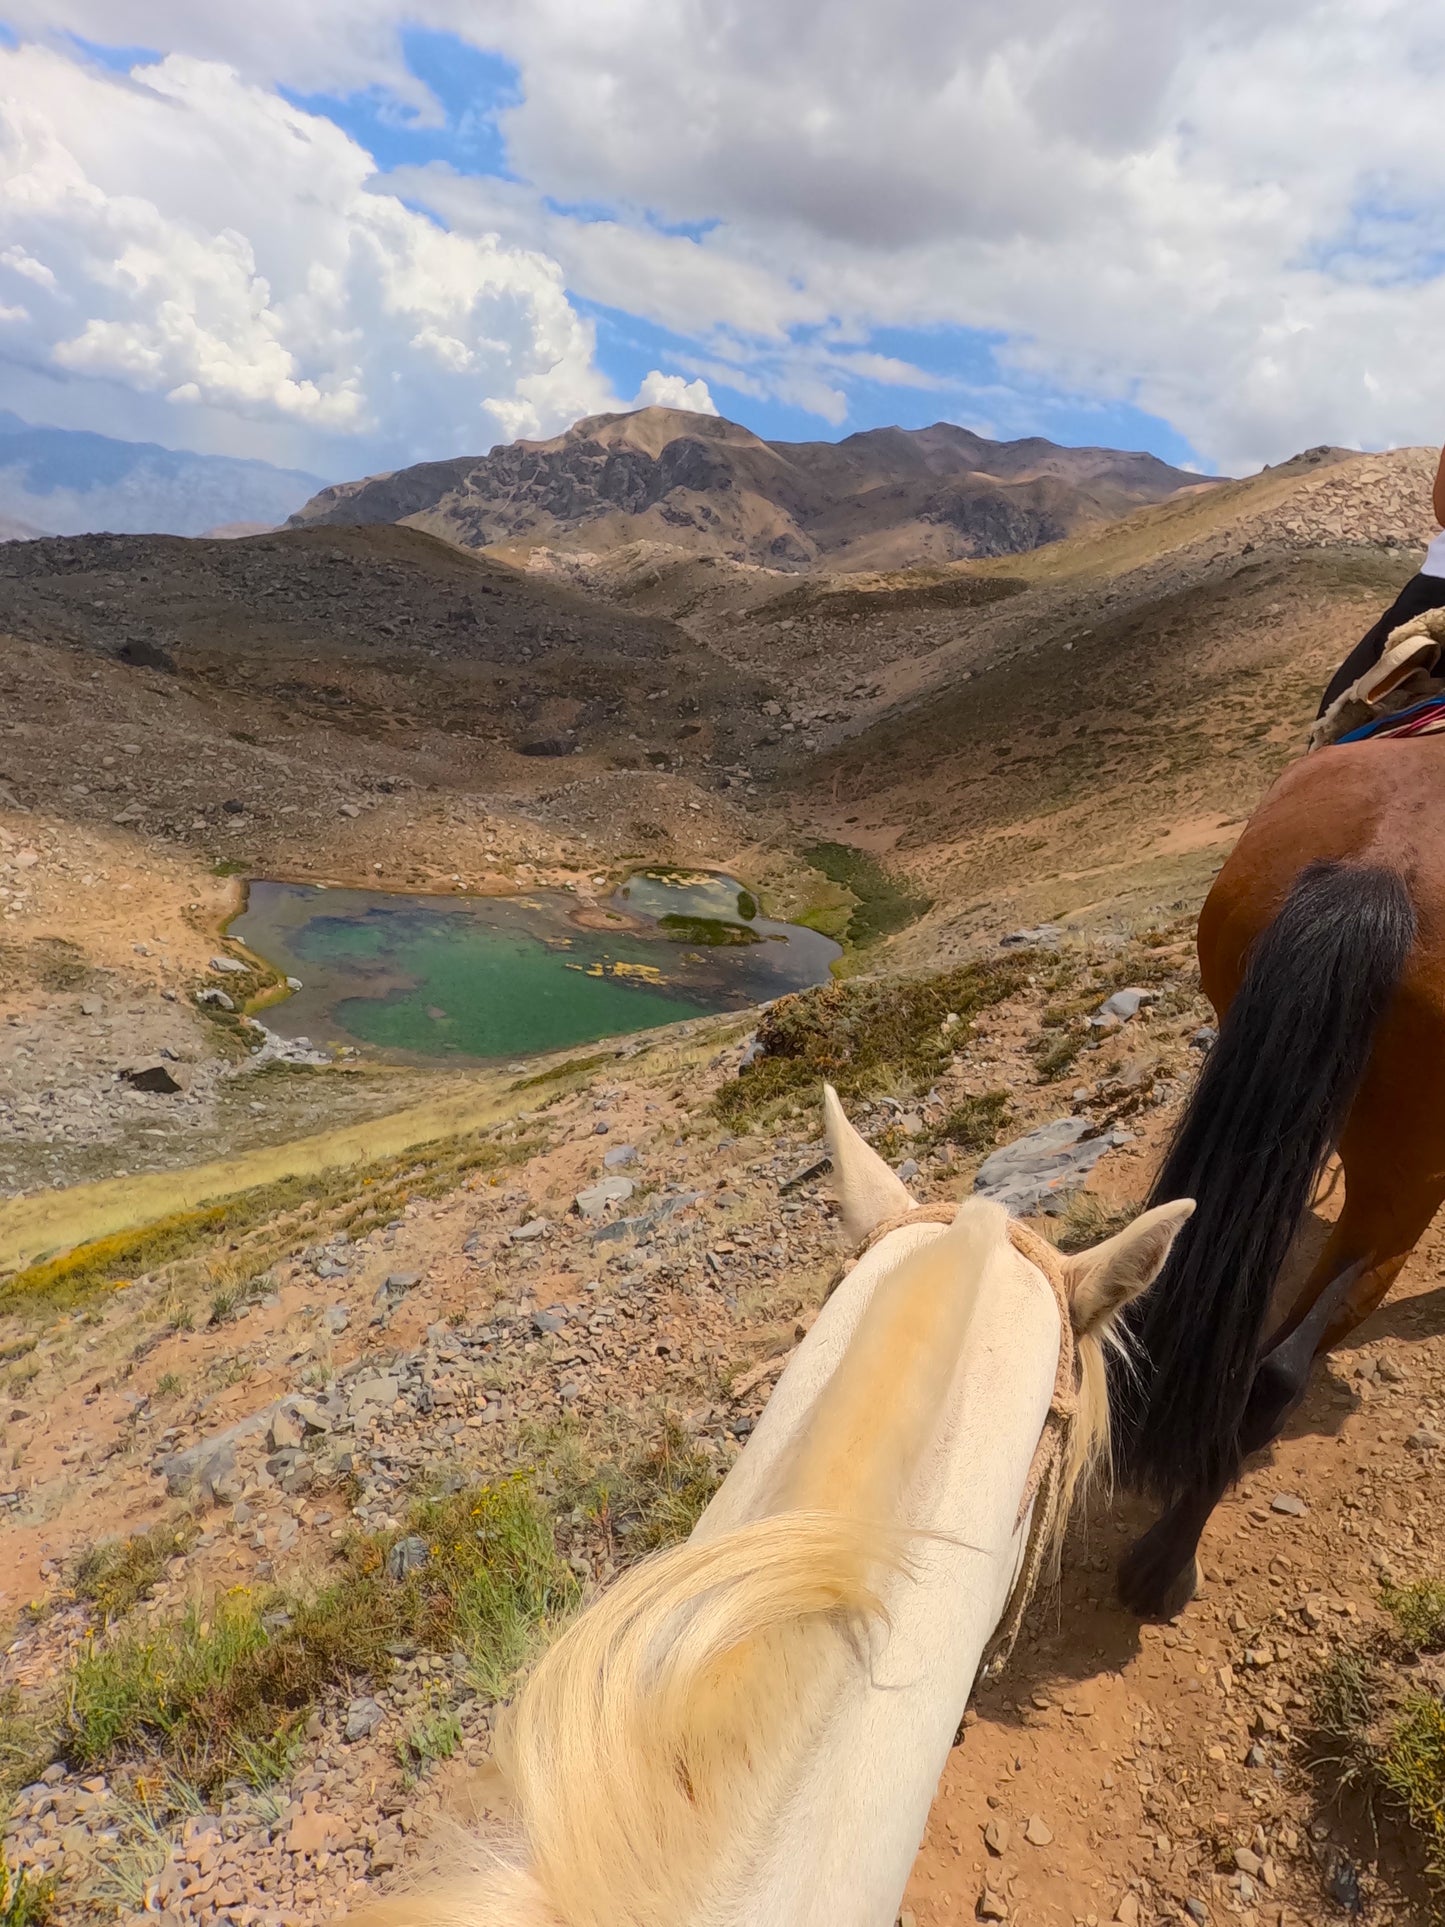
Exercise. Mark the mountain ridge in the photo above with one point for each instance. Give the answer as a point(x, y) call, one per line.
point(884, 497)
point(72, 481)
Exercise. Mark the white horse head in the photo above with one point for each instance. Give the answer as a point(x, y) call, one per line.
point(748, 1730)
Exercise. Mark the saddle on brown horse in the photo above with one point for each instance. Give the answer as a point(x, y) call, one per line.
point(1403, 694)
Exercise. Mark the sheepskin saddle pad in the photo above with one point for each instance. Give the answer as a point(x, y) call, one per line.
point(1402, 695)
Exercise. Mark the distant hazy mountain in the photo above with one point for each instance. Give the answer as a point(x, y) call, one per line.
point(878, 500)
point(68, 482)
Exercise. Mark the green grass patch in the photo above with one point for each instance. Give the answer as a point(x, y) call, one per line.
point(1088, 1220)
point(574, 1067)
point(428, 1741)
point(24, 1902)
point(974, 1123)
point(1378, 1722)
point(27, 1744)
point(1419, 1612)
point(643, 1498)
point(220, 1694)
point(1058, 1048)
point(884, 903)
point(707, 933)
point(865, 1036)
point(376, 1191)
point(116, 1574)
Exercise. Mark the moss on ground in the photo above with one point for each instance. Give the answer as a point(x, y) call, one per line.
point(884, 903)
point(866, 1035)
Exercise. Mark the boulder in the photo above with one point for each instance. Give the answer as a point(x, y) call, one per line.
point(593, 1202)
point(1037, 1172)
point(619, 1157)
point(363, 1716)
point(286, 1430)
point(154, 1077)
point(407, 1555)
point(1125, 1004)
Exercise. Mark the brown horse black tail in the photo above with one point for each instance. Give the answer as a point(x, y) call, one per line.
point(1266, 1114)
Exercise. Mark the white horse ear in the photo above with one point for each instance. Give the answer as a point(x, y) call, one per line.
point(1102, 1281)
point(869, 1192)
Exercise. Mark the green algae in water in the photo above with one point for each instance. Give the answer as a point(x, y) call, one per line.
point(711, 932)
point(478, 978)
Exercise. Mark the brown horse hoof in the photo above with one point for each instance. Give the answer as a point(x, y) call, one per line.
point(1151, 1585)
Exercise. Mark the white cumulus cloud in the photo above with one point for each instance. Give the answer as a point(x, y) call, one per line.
point(192, 236)
point(674, 391)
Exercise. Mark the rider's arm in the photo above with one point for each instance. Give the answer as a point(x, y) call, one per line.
point(1440, 491)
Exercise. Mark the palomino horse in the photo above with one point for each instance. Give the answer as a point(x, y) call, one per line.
point(750, 1728)
point(1322, 947)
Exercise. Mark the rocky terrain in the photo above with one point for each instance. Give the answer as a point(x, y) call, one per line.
point(627, 1266)
point(560, 1267)
point(889, 497)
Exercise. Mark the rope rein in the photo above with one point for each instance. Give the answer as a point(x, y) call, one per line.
point(1044, 1486)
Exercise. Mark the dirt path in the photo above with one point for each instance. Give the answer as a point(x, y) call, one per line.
point(1162, 1760)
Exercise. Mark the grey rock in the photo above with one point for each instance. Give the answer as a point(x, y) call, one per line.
point(817, 1167)
point(394, 1287)
point(1037, 1172)
point(229, 966)
point(908, 1169)
point(646, 1221)
point(155, 1078)
point(600, 1128)
point(1125, 1004)
point(363, 1716)
point(546, 1321)
point(620, 1156)
point(1044, 936)
point(210, 1464)
point(1290, 1504)
point(1426, 1439)
point(752, 1052)
point(407, 1555)
point(533, 1228)
point(1205, 1038)
point(335, 1318)
point(593, 1202)
point(293, 983)
point(286, 1430)
point(379, 1390)
point(217, 999)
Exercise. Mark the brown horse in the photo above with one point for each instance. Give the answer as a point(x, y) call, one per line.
point(1322, 947)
